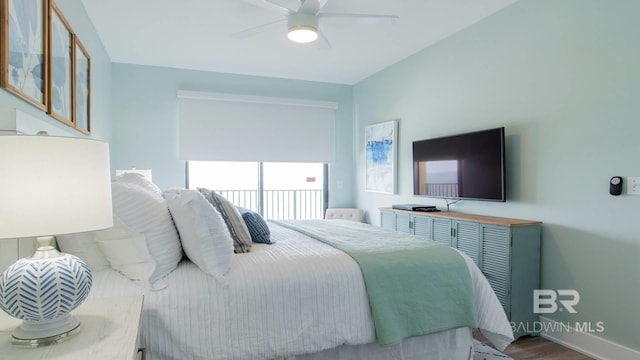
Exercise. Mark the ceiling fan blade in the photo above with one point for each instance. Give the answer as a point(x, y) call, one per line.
point(322, 43)
point(271, 5)
point(360, 18)
point(256, 29)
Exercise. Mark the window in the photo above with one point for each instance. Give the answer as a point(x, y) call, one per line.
point(277, 191)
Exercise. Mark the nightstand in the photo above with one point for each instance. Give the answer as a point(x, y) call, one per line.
point(109, 331)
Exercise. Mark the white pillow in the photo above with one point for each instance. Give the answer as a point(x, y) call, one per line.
point(204, 234)
point(83, 246)
point(140, 205)
point(127, 252)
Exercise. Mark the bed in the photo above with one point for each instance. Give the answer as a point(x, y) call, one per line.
point(297, 298)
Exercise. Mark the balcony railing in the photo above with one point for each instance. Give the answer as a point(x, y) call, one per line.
point(442, 189)
point(279, 204)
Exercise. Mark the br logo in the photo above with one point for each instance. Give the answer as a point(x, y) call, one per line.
point(545, 301)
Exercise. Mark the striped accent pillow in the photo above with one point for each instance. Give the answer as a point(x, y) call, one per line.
point(258, 228)
point(235, 223)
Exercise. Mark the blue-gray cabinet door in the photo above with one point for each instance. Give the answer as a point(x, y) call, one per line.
point(441, 231)
point(403, 223)
point(422, 226)
point(495, 262)
point(467, 239)
point(387, 220)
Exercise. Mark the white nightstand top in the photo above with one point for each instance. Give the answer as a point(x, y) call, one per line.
point(109, 330)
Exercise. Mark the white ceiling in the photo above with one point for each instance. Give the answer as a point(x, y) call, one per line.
point(195, 34)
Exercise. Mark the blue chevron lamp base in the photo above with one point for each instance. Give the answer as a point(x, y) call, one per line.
point(42, 291)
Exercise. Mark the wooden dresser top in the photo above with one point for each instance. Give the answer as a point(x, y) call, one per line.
point(493, 220)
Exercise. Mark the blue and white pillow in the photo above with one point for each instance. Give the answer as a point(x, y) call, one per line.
point(233, 219)
point(258, 228)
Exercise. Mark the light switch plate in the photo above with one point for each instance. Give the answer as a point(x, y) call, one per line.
point(633, 185)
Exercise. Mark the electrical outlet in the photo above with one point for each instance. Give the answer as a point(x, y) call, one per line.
point(633, 185)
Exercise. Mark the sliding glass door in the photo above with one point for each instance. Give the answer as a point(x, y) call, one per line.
point(275, 190)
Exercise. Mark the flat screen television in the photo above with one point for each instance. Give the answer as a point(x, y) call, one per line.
point(463, 166)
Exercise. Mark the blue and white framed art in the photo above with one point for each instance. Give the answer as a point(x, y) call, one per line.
point(23, 66)
point(381, 144)
point(60, 57)
point(82, 86)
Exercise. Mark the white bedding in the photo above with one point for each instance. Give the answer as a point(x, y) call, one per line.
point(321, 304)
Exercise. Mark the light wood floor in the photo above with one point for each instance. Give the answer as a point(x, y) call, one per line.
point(536, 347)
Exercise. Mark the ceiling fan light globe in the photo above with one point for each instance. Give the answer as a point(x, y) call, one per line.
point(302, 34)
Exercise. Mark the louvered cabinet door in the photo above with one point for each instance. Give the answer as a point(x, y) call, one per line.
point(467, 239)
point(403, 223)
point(495, 261)
point(387, 220)
point(441, 231)
point(422, 226)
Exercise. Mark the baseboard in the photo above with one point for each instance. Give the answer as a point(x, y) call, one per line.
point(586, 342)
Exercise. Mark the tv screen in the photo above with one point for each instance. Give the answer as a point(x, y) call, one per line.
point(464, 166)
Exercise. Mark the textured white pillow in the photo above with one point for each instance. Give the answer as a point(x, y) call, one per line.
point(140, 205)
point(204, 234)
point(127, 252)
point(235, 223)
point(83, 246)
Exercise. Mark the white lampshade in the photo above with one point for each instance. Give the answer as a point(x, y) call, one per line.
point(50, 186)
point(53, 185)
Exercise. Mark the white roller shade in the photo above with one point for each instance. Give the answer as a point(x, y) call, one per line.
point(228, 127)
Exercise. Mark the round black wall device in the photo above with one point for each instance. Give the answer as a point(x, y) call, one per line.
point(615, 185)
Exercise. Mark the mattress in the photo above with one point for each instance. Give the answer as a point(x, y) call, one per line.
point(297, 299)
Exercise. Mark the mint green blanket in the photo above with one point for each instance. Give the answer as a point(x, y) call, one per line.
point(415, 286)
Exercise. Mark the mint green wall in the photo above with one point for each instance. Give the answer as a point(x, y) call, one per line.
point(146, 120)
point(563, 77)
point(77, 17)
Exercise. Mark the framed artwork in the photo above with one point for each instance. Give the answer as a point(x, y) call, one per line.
point(380, 157)
point(60, 60)
point(82, 88)
point(23, 68)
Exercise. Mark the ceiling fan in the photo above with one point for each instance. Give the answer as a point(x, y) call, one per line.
point(303, 21)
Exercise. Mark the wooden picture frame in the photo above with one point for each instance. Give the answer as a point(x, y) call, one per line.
point(61, 46)
point(23, 50)
point(82, 87)
point(381, 148)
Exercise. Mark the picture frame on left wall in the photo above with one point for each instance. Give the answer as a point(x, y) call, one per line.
point(381, 148)
point(61, 65)
point(82, 88)
point(23, 65)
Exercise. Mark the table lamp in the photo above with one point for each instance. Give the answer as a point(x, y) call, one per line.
point(49, 186)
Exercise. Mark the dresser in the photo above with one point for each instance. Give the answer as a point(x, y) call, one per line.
point(507, 251)
point(109, 329)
